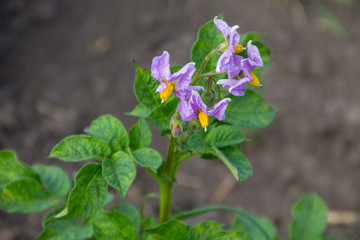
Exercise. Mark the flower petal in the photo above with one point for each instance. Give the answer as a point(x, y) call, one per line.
point(183, 76)
point(186, 94)
point(222, 26)
point(196, 102)
point(187, 113)
point(160, 67)
point(162, 87)
point(219, 109)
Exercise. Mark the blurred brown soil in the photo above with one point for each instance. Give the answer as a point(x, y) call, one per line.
point(64, 63)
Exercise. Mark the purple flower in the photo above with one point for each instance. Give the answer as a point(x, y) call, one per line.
point(232, 38)
point(197, 108)
point(160, 70)
point(254, 58)
point(249, 64)
point(236, 87)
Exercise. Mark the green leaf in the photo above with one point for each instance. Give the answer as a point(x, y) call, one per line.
point(145, 88)
point(209, 37)
point(235, 160)
point(80, 147)
point(245, 37)
point(113, 225)
point(132, 213)
point(55, 179)
point(89, 193)
point(25, 196)
point(119, 171)
point(309, 218)
point(140, 135)
point(150, 222)
point(148, 158)
point(140, 111)
point(249, 111)
point(196, 142)
point(65, 230)
point(224, 136)
point(161, 116)
point(257, 227)
point(174, 230)
point(204, 230)
point(230, 235)
point(265, 55)
point(111, 130)
point(12, 170)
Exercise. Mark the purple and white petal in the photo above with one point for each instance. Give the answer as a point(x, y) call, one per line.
point(161, 87)
point(234, 67)
point(222, 26)
point(254, 55)
point(234, 38)
point(224, 61)
point(160, 67)
point(186, 94)
point(187, 113)
point(183, 76)
point(196, 102)
point(239, 88)
point(219, 109)
point(226, 83)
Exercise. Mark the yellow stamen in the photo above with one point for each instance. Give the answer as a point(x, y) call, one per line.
point(164, 95)
point(204, 119)
point(239, 48)
point(255, 81)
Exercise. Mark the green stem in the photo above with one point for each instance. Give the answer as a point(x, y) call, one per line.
point(211, 74)
point(202, 66)
point(167, 182)
point(206, 209)
point(142, 207)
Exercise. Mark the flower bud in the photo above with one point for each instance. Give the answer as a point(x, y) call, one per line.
point(209, 97)
point(176, 125)
point(195, 124)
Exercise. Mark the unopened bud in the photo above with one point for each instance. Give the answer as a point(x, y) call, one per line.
point(176, 125)
point(221, 48)
point(209, 97)
point(195, 124)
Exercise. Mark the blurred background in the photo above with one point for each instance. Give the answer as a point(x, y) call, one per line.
point(64, 63)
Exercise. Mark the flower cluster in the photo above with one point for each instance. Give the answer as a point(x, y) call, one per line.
point(191, 107)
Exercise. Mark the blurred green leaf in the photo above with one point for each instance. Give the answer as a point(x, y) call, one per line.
point(55, 179)
point(236, 161)
point(113, 225)
point(89, 194)
point(140, 111)
point(119, 171)
point(230, 235)
point(148, 158)
point(249, 111)
point(204, 230)
point(161, 116)
point(65, 230)
point(331, 21)
point(11, 169)
point(131, 212)
point(209, 37)
point(257, 227)
point(80, 147)
point(174, 230)
point(224, 136)
point(25, 196)
point(145, 89)
point(140, 135)
point(309, 218)
point(111, 130)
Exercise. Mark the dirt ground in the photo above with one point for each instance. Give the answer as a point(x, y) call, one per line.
point(64, 63)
